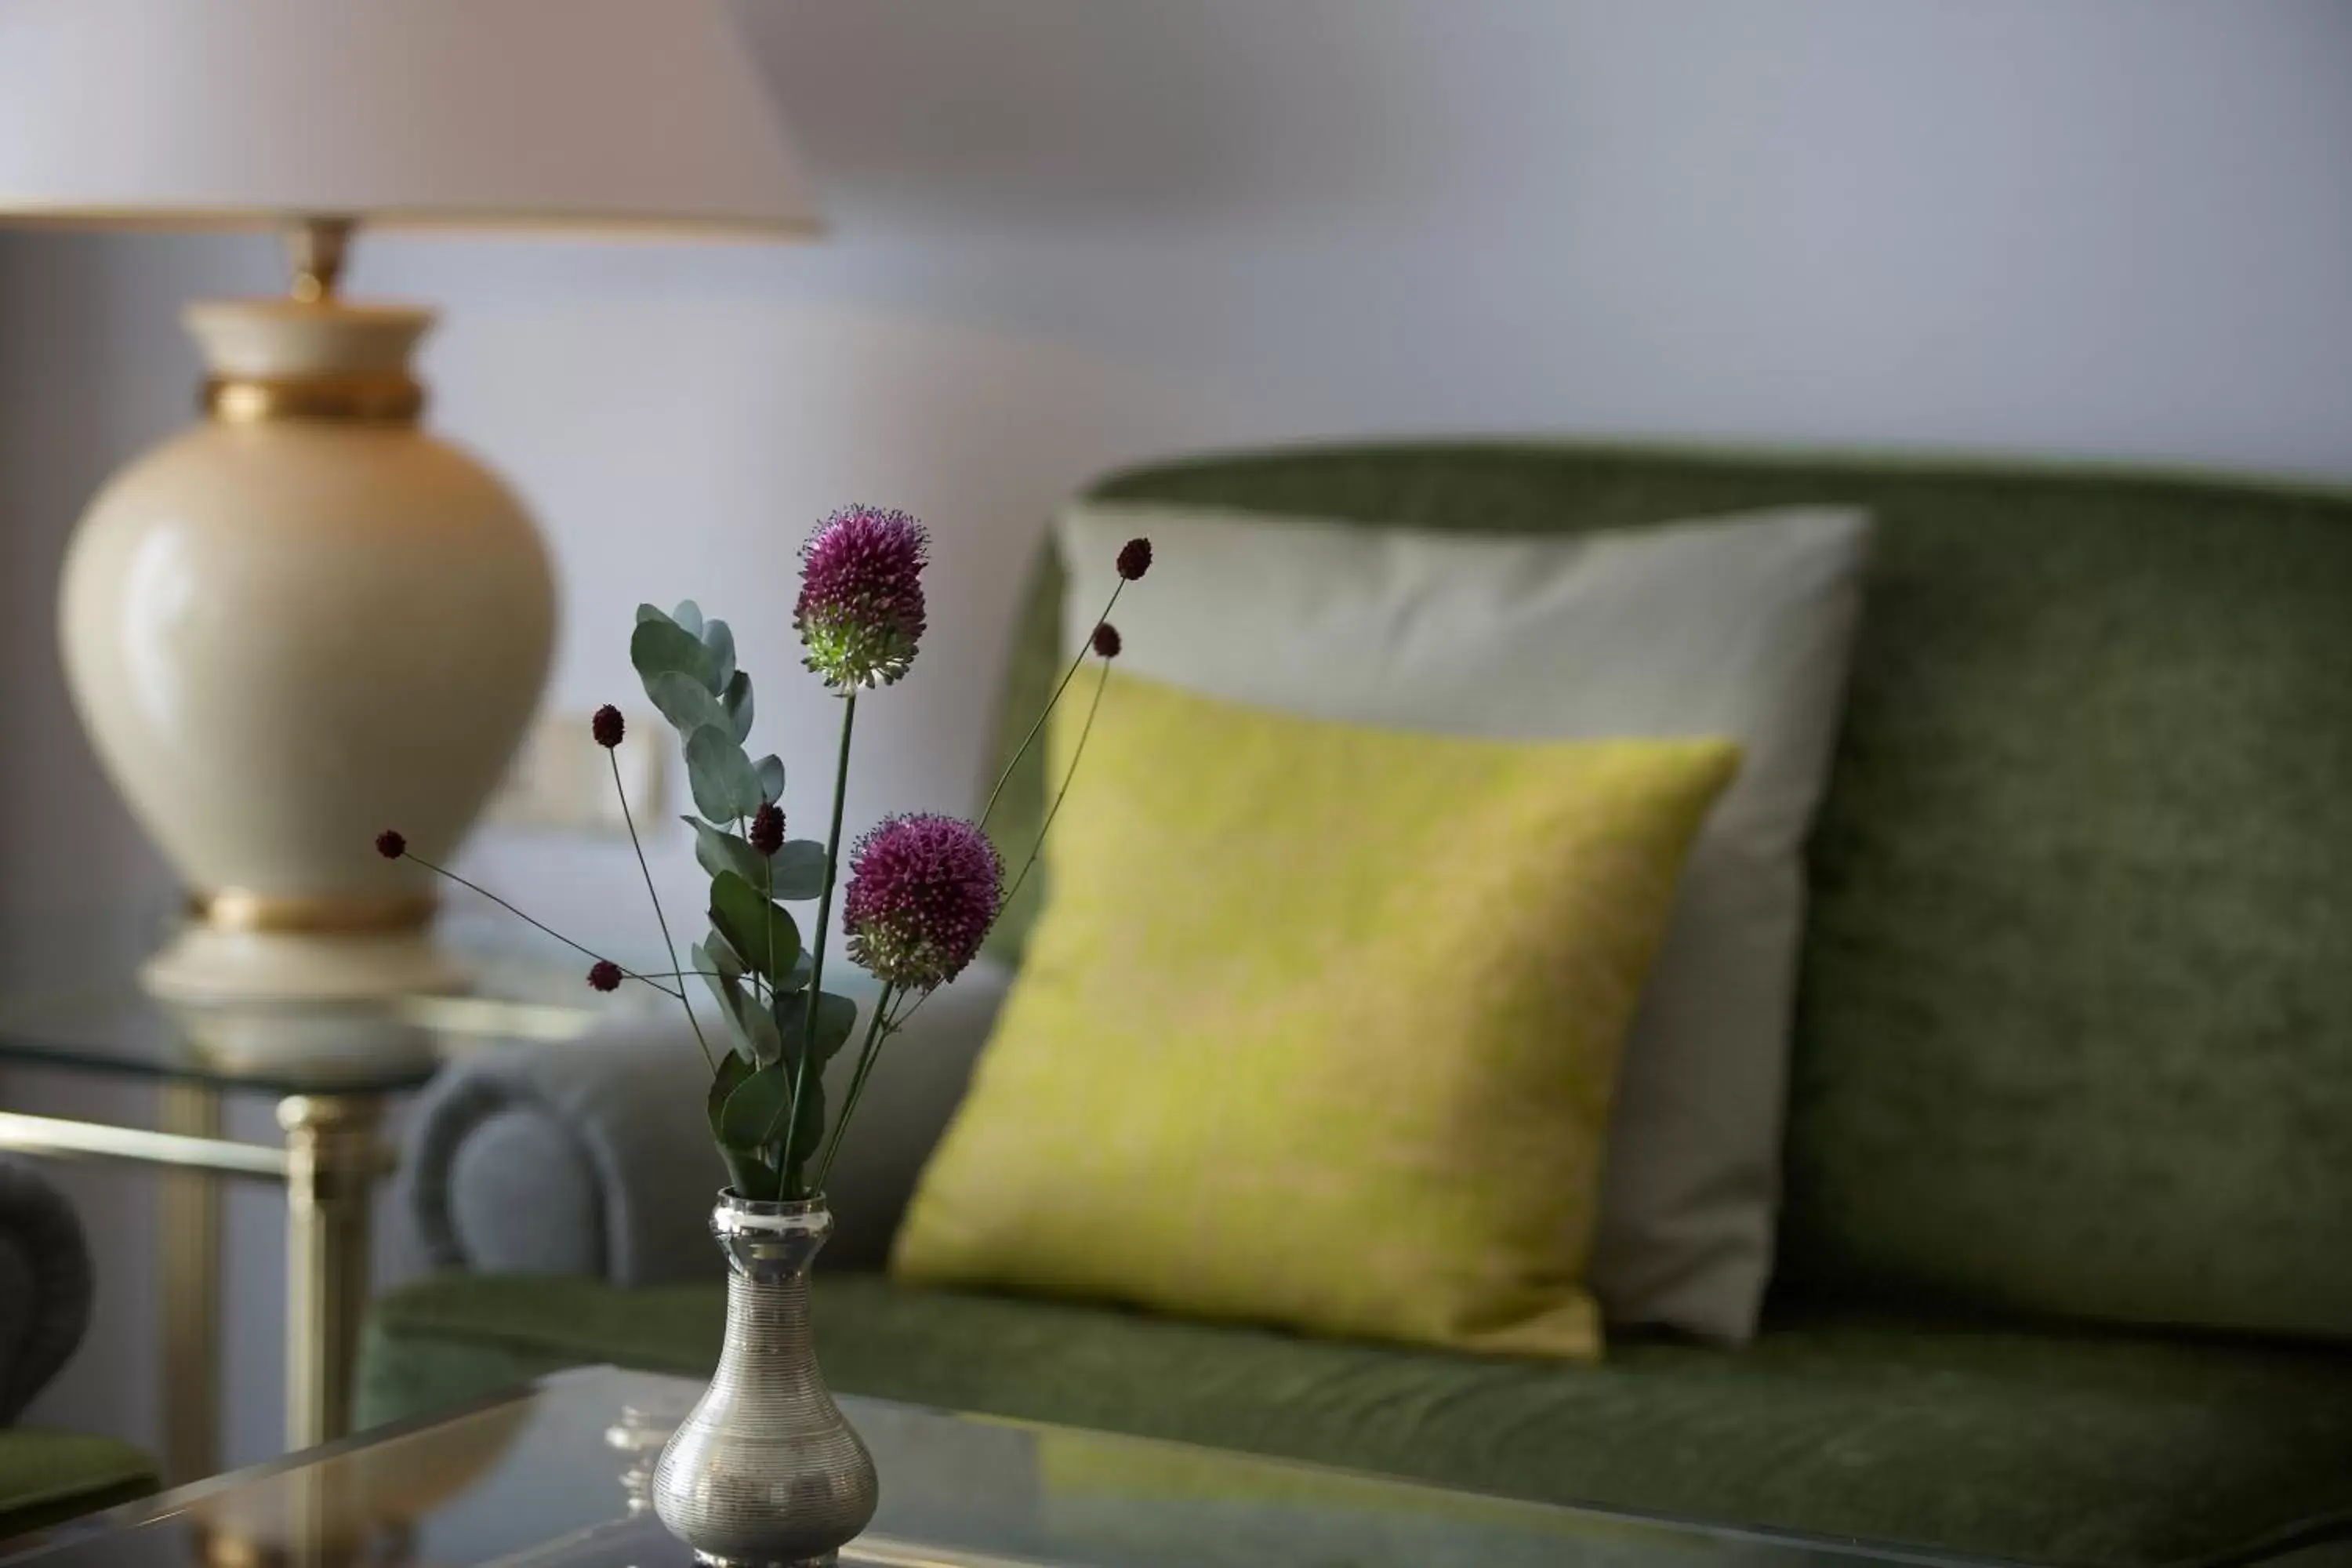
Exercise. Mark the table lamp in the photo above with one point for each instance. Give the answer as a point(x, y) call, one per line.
point(306, 619)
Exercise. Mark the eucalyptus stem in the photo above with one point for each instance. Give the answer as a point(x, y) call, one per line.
point(816, 952)
point(576, 947)
point(1031, 737)
point(878, 1028)
point(628, 820)
point(1077, 751)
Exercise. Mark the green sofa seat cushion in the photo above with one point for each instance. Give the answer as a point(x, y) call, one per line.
point(2038, 1445)
point(49, 1476)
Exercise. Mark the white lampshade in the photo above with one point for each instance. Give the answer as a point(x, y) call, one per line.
point(595, 115)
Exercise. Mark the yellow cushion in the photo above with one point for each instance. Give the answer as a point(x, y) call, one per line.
point(1319, 1025)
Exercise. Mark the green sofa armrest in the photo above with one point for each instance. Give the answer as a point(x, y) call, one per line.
point(592, 1157)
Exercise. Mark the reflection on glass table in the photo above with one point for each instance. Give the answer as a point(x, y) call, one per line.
point(553, 1475)
point(71, 1000)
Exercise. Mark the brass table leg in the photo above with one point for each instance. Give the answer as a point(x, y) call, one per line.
point(332, 1164)
point(189, 1209)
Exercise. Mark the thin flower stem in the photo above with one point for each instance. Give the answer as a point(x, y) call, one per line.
point(1031, 737)
point(816, 952)
point(900, 1021)
point(542, 925)
point(1079, 751)
point(877, 1029)
point(660, 919)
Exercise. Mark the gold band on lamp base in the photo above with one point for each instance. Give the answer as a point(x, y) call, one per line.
point(332, 1160)
point(241, 908)
point(358, 397)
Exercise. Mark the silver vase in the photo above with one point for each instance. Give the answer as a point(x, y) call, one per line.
point(764, 1472)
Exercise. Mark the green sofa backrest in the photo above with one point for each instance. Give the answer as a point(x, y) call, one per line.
point(2074, 1034)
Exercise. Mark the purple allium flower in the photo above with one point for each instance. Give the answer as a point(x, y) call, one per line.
point(923, 891)
point(606, 726)
point(768, 828)
point(1106, 641)
point(861, 606)
point(391, 844)
point(604, 975)
point(1134, 558)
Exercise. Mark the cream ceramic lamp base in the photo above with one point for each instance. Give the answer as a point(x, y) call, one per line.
point(297, 624)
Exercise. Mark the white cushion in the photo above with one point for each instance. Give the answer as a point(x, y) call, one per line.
point(1734, 626)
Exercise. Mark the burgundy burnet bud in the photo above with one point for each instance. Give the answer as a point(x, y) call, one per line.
point(391, 845)
point(1106, 641)
point(604, 975)
point(1134, 558)
point(768, 828)
point(607, 726)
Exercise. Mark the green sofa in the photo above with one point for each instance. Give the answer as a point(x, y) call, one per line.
point(2065, 1268)
point(45, 1297)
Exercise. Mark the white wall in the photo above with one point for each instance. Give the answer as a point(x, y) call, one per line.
point(1072, 233)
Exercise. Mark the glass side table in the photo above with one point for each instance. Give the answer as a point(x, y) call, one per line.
point(71, 999)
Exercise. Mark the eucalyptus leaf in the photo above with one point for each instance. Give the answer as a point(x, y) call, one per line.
point(724, 784)
point(749, 1174)
point(753, 1115)
point(736, 702)
point(799, 869)
point(803, 970)
point(652, 613)
point(719, 638)
point(747, 1168)
point(661, 648)
point(717, 850)
point(704, 960)
point(836, 1020)
point(760, 934)
point(733, 1070)
point(771, 769)
point(718, 955)
point(748, 1020)
point(721, 984)
point(686, 702)
point(689, 614)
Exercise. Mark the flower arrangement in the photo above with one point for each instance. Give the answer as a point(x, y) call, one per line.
point(922, 893)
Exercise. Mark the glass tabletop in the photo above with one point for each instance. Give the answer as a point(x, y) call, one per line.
point(70, 998)
point(554, 1476)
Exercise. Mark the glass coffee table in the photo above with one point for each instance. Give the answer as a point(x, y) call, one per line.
point(554, 1476)
point(70, 1001)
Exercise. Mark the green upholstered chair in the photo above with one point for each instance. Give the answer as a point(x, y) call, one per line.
point(45, 1285)
point(2065, 1271)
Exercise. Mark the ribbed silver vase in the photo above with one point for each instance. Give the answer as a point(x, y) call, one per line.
point(765, 1472)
